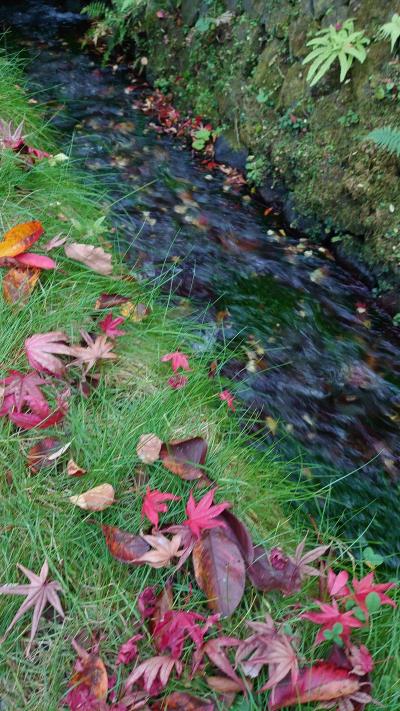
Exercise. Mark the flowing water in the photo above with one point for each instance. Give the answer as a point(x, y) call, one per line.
point(320, 357)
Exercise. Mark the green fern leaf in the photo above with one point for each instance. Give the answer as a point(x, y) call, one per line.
point(387, 138)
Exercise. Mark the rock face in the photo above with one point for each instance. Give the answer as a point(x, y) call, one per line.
point(246, 72)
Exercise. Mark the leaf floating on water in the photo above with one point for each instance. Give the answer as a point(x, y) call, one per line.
point(185, 457)
point(148, 448)
point(96, 499)
point(220, 571)
point(96, 258)
point(124, 546)
point(18, 285)
point(20, 238)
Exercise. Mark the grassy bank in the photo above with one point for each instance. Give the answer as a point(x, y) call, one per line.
point(132, 397)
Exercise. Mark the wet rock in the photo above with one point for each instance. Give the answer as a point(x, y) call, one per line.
point(225, 152)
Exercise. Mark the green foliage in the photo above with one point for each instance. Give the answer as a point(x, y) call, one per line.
point(255, 169)
point(340, 42)
point(387, 138)
point(391, 30)
point(122, 19)
point(201, 138)
point(351, 118)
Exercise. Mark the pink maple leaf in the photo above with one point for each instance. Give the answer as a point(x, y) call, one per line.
point(153, 504)
point(203, 516)
point(227, 397)
point(109, 325)
point(330, 616)
point(128, 650)
point(281, 659)
point(154, 673)
point(215, 651)
point(337, 584)
point(43, 349)
point(361, 660)
point(22, 390)
point(176, 626)
point(146, 602)
point(366, 586)
point(177, 381)
point(178, 360)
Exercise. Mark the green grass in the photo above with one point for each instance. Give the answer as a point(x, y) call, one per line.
point(37, 519)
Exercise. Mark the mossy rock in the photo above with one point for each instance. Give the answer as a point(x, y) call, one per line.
point(299, 33)
point(377, 57)
point(295, 89)
point(269, 72)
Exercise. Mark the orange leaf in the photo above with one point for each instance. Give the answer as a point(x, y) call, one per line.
point(18, 285)
point(20, 238)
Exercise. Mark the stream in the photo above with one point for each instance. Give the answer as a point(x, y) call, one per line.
point(317, 356)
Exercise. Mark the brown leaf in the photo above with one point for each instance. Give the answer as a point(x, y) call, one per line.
point(73, 469)
point(239, 534)
point(266, 575)
point(135, 312)
point(181, 701)
point(109, 301)
point(18, 285)
point(96, 499)
point(148, 448)
point(223, 685)
point(93, 257)
point(56, 241)
point(183, 457)
point(220, 570)
point(92, 673)
point(124, 546)
point(38, 455)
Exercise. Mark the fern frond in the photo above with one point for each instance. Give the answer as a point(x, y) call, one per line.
point(95, 10)
point(387, 138)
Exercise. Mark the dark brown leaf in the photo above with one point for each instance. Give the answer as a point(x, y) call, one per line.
point(164, 602)
point(18, 285)
point(239, 534)
point(184, 457)
point(38, 455)
point(108, 301)
point(180, 701)
point(267, 574)
point(92, 673)
point(220, 570)
point(124, 546)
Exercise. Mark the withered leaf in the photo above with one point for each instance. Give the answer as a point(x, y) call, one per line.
point(185, 457)
point(93, 257)
point(148, 448)
point(223, 685)
point(239, 534)
point(18, 285)
point(92, 673)
point(73, 469)
point(135, 312)
point(181, 701)
point(96, 499)
point(39, 454)
point(266, 576)
point(164, 602)
point(109, 301)
point(124, 546)
point(220, 570)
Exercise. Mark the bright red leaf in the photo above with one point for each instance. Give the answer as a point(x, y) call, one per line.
point(203, 516)
point(366, 586)
point(337, 584)
point(109, 325)
point(329, 616)
point(153, 504)
point(35, 260)
point(22, 390)
point(227, 397)
point(171, 632)
point(178, 360)
point(128, 651)
point(322, 682)
point(176, 382)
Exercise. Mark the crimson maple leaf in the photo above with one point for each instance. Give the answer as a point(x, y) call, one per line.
point(202, 516)
point(128, 650)
point(337, 584)
point(214, 649)
point(154, 673)
point(38, 593)
point(20, 390)
point(109, 325)
point(250, 650)
point(178, 360)
point(153, 504)
point(163, 550)
point(227, 397)
point(96, 349)
point(330, 616)
point(281, 659)
point(43, 349)
point(175, 626)
point(366, 586)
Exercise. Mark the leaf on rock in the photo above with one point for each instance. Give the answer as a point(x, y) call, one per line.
point(148, 448)
point(124, 546)
point(185, 457)
point(220, 571)
point(18, 285)
point(181, 701)
point(20, 238)
point(96, 499)
point(321, 682)
point(73, 469)
point(96, 258)
point(43, 349)
point(38, 455)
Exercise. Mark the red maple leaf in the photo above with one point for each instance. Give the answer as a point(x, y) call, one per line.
point(227, 397)
point(176, 626)
point(178, 360)
point(109, 325)
point(202, 516)
point(20, 390)
point(366, 586)
point(43, 349)
point(337, 584)
point(153, 674)
point(153, 504)
point(128, 650)
point(330, 616)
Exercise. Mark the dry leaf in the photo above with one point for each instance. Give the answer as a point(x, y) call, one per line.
point(18, 285)
point(93, 257)
point(56, 241)
point(135, 312)
point(73, 469)
point(39, 455)
point(148, 448)
point(97, 499)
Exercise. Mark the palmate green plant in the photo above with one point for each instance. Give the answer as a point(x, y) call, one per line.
point(391, 30)
point(340, 42)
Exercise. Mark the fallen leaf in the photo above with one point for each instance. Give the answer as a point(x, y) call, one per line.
point(37, 261)
point(108, 301)
point(124, 546)
point(90, 672)
point(215, 651)
point(148, 448)
point(185, 457)
point(99, 348)
point(128, 651)
point(20, 238)
point(181, 701)
point(73, 469)
point(96, 499)
point(155, 672)
point(321, 682)
point(238, 533)
point(56, 241)
point(158, 606)
point(219, 570)
point(18, 285)
point(38, 455)
point(93, 257)
point(223, 685)
point(163, 550)
point(204, 514)
point(43, 349)
point(135, 312)
point(154, 503)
